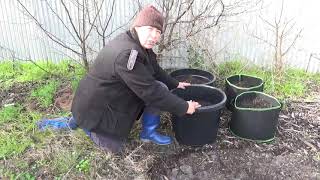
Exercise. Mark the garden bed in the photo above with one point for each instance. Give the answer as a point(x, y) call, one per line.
point(294, 154)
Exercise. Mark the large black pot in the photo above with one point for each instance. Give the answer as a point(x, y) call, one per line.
point(194, 76)
point(255, 116)
point(237, 84)
point(201, 127)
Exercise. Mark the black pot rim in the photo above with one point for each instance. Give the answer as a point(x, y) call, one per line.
point(214, 107)
point(210, 82)
point(244, 88)
point(257, 109)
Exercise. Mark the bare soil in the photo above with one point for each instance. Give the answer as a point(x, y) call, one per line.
point(243, 84)
point(17, 93)
point(294, 154)
point(64, 97)
point(256, 102)
point(192, 79)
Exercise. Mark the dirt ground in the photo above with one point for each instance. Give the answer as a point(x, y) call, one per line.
point(294, 154)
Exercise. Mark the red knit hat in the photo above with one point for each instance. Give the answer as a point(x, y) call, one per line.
point(149, 16)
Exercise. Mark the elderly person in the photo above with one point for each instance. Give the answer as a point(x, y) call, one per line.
point(124, 81)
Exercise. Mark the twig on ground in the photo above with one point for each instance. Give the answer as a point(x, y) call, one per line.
point(313, 148)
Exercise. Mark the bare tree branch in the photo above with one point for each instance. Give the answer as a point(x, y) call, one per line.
point(70, 19)
point(220, 15)
point(49, 35)
point(79, 25)
point(104, 28)
point(280, 16)
point(292, 43)
point(281, 29)
point(94, 20)
point(63, 23)
point(263, 40)
point(267, 22)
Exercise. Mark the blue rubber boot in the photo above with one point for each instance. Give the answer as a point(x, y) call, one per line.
point(150, 122)
point(72, 123)
point(57, 124)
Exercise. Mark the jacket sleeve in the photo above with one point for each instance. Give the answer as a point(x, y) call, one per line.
point(162, 75)
point(144, 85)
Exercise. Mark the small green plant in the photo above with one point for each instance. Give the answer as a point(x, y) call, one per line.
point(7, 73)
point(45, 94)
point(24, 176)
point(195, 59)
point(83, 166)
point(229, 68)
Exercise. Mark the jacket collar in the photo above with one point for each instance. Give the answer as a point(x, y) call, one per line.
point(146, 52)
point(134, 36)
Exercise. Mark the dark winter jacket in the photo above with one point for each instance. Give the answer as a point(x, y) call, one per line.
point(111, 96)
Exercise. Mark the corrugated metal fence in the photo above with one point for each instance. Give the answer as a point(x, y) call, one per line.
point(21, 35)
point(21, 38)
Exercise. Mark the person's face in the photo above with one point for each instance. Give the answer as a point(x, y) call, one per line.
point(148, 36)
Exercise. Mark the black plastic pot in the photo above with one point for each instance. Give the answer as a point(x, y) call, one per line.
point(194, 76)
point(249, 121)
point(233, 89)
point(201, 127)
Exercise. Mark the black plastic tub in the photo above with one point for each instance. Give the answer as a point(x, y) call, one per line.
point(194, 76)
point(201, 127)
point(255, 116)
point(237, 84)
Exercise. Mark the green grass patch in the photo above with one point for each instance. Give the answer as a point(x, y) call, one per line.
point(45, 94)
point(28, 72)
point(43, 70)
point(19, 176)
point(18, 125)
point(16, 130)
point(64, 160)
point(7, 70)
point(9, 114)
point(13, 144)
point(19, 137)
point(20, 72)
point(7, 73)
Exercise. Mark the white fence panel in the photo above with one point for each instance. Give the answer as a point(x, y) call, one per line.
point(20, 37)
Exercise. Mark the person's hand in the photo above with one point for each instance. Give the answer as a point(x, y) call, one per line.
point(192, 106)
point(182, 85)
